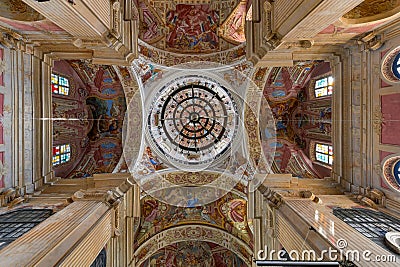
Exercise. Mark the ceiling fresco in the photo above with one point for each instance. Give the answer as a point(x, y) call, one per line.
point(227, 213)
point(232, 30)
point(192, 28)
point(372, 8)
point(18, 10)
point(365, 17)
point(45, 27)
point(298, 117)
point(90, 118)
point(186, 28)
point(193, 121)
point(194, 254)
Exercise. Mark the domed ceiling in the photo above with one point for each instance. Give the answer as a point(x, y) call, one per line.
point(193, 120)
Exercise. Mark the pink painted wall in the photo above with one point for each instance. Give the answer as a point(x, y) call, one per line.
point(1, 74)
point(391, 116)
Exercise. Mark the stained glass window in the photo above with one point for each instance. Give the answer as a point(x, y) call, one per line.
point(61, 154)
point(396, 66)
point(59, 84)
point(323, 87)
point(396, 171)
point(324, 153)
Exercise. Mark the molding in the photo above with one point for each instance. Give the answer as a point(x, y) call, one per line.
point(378, 120)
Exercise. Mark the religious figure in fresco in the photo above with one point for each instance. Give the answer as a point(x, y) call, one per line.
point(106, 116)
point(157, 165)
point(192, 28)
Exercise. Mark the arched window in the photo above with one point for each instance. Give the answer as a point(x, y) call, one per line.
point(16, 223)
point(59, 84)
point(324, 153)
point(323, 87)
point(396, 66)
point(61, 154)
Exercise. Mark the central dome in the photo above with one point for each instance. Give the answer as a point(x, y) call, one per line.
point(192, 121)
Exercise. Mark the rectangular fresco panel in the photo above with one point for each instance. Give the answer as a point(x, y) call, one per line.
point(192, 28)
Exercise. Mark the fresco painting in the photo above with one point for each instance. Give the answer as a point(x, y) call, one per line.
point(227, 212)
point(98, 100)
point(192, 28)
point(194, 254)
point(150, 29)
point(298, 116)
point(232, 29)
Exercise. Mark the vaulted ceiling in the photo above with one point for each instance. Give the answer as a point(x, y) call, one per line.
point(177, 41)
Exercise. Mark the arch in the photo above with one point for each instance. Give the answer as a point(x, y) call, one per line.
point(130, 85)
point(193, 233)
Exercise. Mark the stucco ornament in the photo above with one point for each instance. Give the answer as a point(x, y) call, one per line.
point(3, 169)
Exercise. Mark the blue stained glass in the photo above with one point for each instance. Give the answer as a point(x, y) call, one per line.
point(396, 171)
point(59, 84)
point(321, 83)
point(396, 66)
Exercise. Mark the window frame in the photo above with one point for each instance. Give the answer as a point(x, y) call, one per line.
point(69, 87)
point(66, 151)
point(313, 153)
point(396, 66)
point(312, 87)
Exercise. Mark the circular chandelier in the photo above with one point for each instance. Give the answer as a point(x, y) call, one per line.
point(193, 120)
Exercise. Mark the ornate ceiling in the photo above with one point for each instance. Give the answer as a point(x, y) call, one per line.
point(299, 117)
point(90, 118)
point(193, 120)
point(196, 254)
point(182, 27)
point(189, 95)
point(18, 10)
